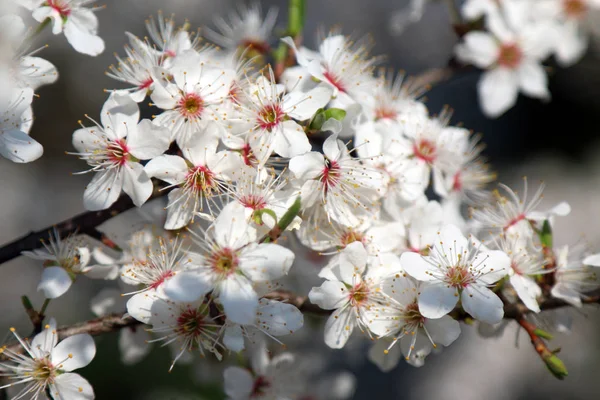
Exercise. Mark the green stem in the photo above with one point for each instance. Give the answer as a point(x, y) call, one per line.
point(44, 306)
point(296, 11)
point(39, 29)
point(284, 222)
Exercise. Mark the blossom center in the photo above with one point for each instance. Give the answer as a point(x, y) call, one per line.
point(118, 152)
point(359, 294)
point(60, 6)
point(459, 277)
point(270, 116)
point(255, 46)
point(385, 113)
point(200, 179)
point(146, 83)
point(261, 384)
point(160, 279)
point(191, 322)
point(334, 80)
point(510, 56)
point(514, 221)
point(351, 237)
point(425, 150)
point(224, 261)
point(575, 8)
point(191, 105)
point(43, 370)
point(457, 182)
point(412, 315)
point(330, 176)
point(253, 201)
point(248, 156)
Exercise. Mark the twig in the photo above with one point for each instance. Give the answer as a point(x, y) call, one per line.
point(283, 54)
point(554, 364)
point(84, 223)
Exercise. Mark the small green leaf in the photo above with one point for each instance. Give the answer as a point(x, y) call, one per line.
point(257, 216)
point(543, 334)
point(556, 366)
point(322, 116)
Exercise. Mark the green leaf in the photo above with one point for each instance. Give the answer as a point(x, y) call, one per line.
point(556, 366)
point(543, 334)
point(257, 215)
point(322, 116)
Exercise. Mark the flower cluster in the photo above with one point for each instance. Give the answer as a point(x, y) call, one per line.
point(22, 73)
point(518, 37)
point(233, 196)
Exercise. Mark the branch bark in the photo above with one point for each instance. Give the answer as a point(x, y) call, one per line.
point(116, 322)
point(84, 223)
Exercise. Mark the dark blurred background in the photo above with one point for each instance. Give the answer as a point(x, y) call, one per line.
point(555, 141)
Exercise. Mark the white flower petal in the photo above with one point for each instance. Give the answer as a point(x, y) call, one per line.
point(233, 338)
point(527, 290)
point(46, 340)
point(498, 90)
point(437, 299)
point(119, 114)
point(482, 304)
point(239, 299)
point(231, 229)
point(148, 140)
point(418, 266)
point(36, 71)
point(180, 209)
point(385, 361)
point(186, 287)
point(133, 344)
point(71, 386)
point(19, 147)
point(277, 318)
point(139, 306)
point(266, 261)
point(136, 183)
point(239, 383)
point(307, 166)
point(562, 291)
point(533, 80)
point(291, 140)
point(109, 272)
point(168, 168)
point(480, 49)
point(330, 295)
point(74, 352)
point(493, 265)
point(339, 327)
point(55, 282)
point(444, 330)
point(108, 300)
point(103, 190)
point(302, 106)
point(80, 36)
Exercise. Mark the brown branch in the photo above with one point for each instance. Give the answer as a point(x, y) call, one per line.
point(94, 327)
point(84, 223)
point(116, 322)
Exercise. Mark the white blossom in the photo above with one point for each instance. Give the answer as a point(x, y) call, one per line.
point(114, 149)
point(72, 17)
point(229, 262)
point(48, 365)
point(457, 267)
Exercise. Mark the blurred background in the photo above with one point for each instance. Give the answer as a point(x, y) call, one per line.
point(555, 141)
